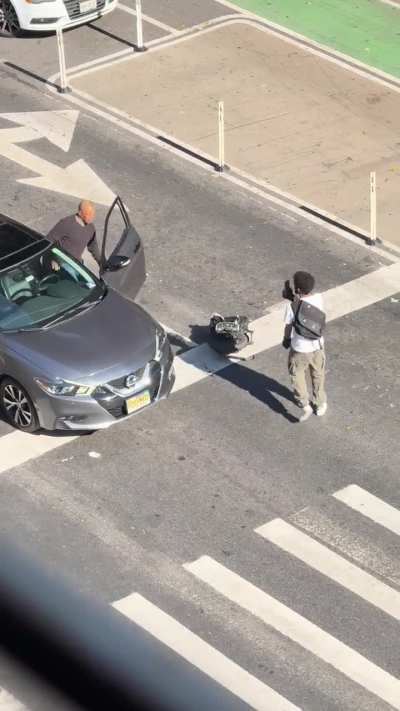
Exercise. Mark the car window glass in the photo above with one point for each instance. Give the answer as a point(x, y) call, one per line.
point(116, 227)
point(43, 288)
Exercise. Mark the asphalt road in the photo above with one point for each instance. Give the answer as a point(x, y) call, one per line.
point(123, 510)
point(36, 53)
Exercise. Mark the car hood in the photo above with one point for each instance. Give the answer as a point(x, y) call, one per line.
point(111, 339)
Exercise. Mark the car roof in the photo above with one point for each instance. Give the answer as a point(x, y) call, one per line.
point(18, 242)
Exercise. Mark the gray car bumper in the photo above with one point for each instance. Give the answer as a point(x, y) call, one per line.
point(80, 414)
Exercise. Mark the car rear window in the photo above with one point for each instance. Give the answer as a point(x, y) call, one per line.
point(12, 239)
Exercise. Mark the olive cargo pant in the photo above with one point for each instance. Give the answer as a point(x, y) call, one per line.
point(299, 364)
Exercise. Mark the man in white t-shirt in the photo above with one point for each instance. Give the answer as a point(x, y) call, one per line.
point(306, 354)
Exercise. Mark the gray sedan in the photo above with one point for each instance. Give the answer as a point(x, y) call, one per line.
point(76, 353)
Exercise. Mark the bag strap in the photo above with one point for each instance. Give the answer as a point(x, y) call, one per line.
point(296, 302)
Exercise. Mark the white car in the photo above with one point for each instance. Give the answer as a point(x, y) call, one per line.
point(18, 16)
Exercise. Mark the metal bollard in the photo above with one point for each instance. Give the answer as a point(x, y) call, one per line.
point(63, 88)
point(372, 182)
point(139, 47)
point(221, 137)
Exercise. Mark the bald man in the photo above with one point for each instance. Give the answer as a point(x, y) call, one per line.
point(76, 232)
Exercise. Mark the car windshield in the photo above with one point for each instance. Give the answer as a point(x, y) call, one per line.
point(46, 288)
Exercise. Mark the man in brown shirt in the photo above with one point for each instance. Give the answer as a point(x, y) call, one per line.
point(77, 232)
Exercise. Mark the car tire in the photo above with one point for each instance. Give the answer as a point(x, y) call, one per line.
point(9, 23)
point(17, 407)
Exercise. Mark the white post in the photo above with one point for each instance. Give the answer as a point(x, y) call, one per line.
point(221, 137)
point(373, 206)
point(139, 27)
point(63, 88)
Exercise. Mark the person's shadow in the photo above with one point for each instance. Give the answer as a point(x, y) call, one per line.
point(265, 389)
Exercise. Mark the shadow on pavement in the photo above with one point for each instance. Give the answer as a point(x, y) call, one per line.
point(111, 35)
point(262, 387)
point(30, 74)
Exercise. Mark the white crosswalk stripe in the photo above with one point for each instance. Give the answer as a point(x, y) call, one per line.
point(297, 628)
point(332, 565)
point(354, 544)
point(8, 702)
point(294, 627)
point(371, 506)
point(198, 363)
point(202, 655)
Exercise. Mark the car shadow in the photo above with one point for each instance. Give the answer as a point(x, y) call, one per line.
point(260, 386)
point(59, 434)
point(63, 434)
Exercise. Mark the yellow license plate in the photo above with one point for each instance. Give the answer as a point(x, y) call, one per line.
point(137, 402)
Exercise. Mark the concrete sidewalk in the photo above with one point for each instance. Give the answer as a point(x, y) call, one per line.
point(367, 30)
point(306, 125)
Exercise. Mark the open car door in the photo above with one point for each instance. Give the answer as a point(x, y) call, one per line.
point(123, 264)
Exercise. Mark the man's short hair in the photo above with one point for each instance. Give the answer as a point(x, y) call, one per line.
point(304, 282)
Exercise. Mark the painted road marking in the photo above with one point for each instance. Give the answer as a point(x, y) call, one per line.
point(125, 54)
point(200, 362)
point(18, 447)
point(195, 365)
point(298, 629)
point(298, 205)
point(370, 506)
point(150, 20)
point(257, 186)
point(202, 655)
point(350, 543)
point(58, 127)
point(345, 62)
point(325, 561)
point(313, 44)
point(131, 124)
point(8, 702)
point(240, 178)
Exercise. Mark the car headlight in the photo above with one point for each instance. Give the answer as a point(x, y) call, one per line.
point(161, 338)
point(63, 387)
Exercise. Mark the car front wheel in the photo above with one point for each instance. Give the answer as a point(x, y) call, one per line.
point(9, 25)
point(17, 407)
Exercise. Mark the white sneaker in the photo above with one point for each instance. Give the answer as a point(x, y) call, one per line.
point(307, 412)
point(320, 411)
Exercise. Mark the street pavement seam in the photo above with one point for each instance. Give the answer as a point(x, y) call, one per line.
point(200, 362)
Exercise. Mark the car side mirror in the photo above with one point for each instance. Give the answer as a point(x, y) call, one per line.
point(116, 261)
